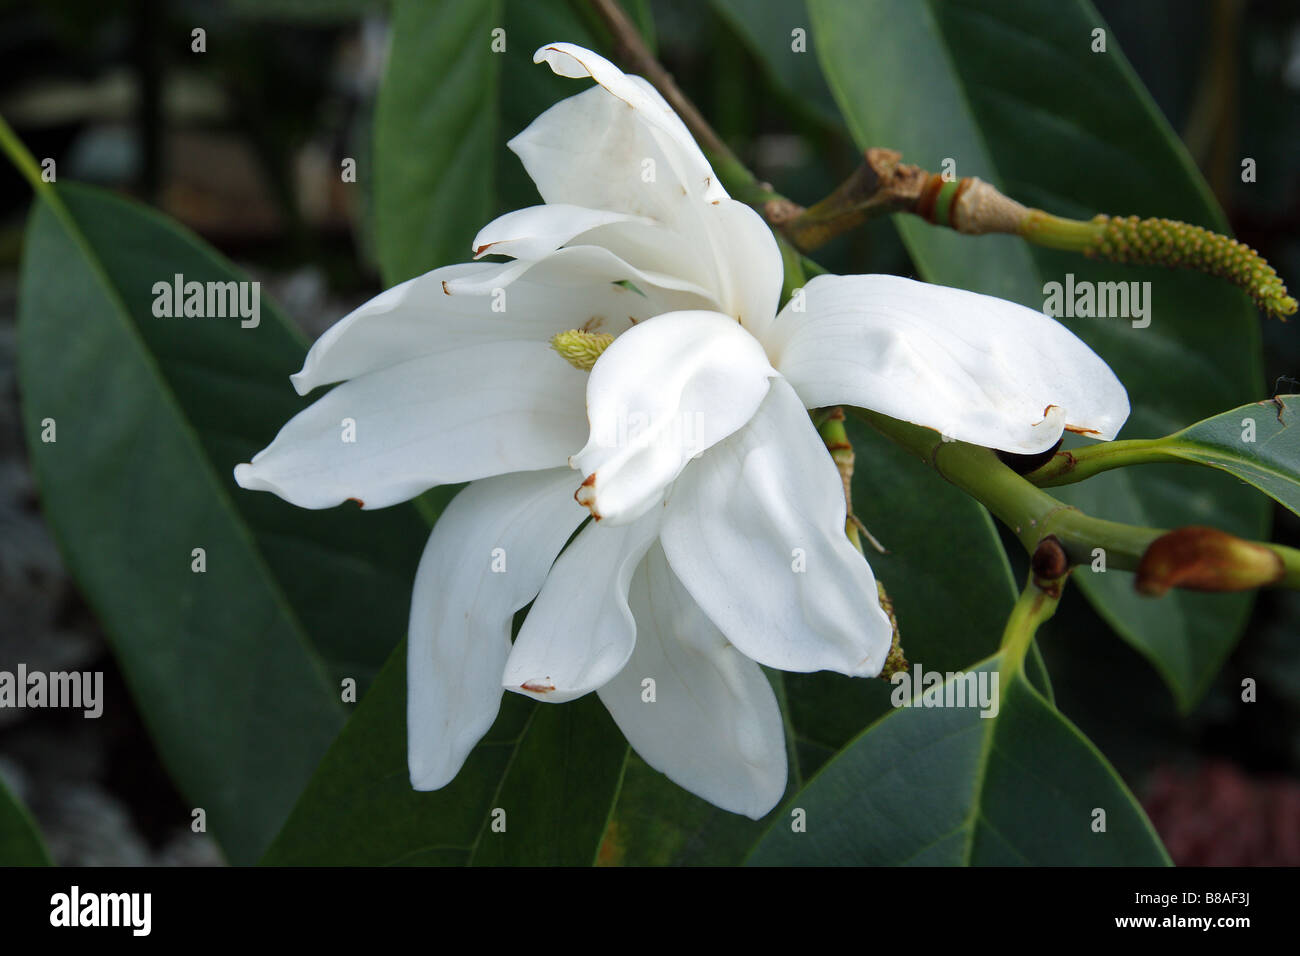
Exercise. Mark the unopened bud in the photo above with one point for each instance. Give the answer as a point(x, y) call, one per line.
point(1050, 564)
point(1206, 559)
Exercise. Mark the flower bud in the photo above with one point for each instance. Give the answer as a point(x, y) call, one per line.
point(1205, 559)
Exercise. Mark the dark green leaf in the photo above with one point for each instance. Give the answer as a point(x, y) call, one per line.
point(943, 786)
point(528, 89)
point(554, 769)
point(306, 11)
point(1256, 443)
point(447, 106)
point(945, 571)
point(768, 29)
point(952, 588)
point(236, 670)
point(1012, 92)
point(435, 134)
point(20, 841)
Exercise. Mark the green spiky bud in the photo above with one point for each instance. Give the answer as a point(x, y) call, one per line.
point(581, 349)
point(1166, 242)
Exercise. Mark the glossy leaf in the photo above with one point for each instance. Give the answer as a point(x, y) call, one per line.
point(435, 134)
point(546, 773)
point(944, 786)
point(778, 33)
point(528, 89)
point(1012, 92)
point(945, 571)
point(952, 589)
point(237, 668)
point(1257, 443)
point(20, 841)
point(447, 106)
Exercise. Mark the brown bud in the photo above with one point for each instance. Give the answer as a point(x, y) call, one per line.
point(1205, 559)
point(1050, 565)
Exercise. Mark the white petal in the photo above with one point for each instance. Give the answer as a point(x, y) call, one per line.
point(658, 249)
point(420, 317)
point(487, 557)
point(620, 147)
point(976, 368)
point(579, 632)
point(714, 726)
point(754, 272)
point(755, 532)
point(630, 121)
point(454, 416)
point(574, 266)
point(663, 392)
point(537, 231)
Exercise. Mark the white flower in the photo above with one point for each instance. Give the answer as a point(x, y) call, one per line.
point(695, 571)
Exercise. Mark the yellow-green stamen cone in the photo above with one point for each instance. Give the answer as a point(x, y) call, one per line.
point(1167, 242)
point(581, 349)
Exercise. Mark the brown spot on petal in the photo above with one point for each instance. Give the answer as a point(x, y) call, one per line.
point(1080, 430)
point(586, 495)
point(480, 250)
point(537, 687)
point(360, 503)
point(445, 290)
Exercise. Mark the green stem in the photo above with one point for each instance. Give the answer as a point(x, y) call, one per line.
point(1032, 514)
point(26, 164)
point(792, 262)
point(1044, 229)
point(977, 471)
point(22, 159)
point(1290, 561)
point(1035, 605)
point(1067, 467)
point(1082, 535)
point(736, 177)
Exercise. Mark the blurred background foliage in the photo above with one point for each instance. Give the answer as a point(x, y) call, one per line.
point(243, 144)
